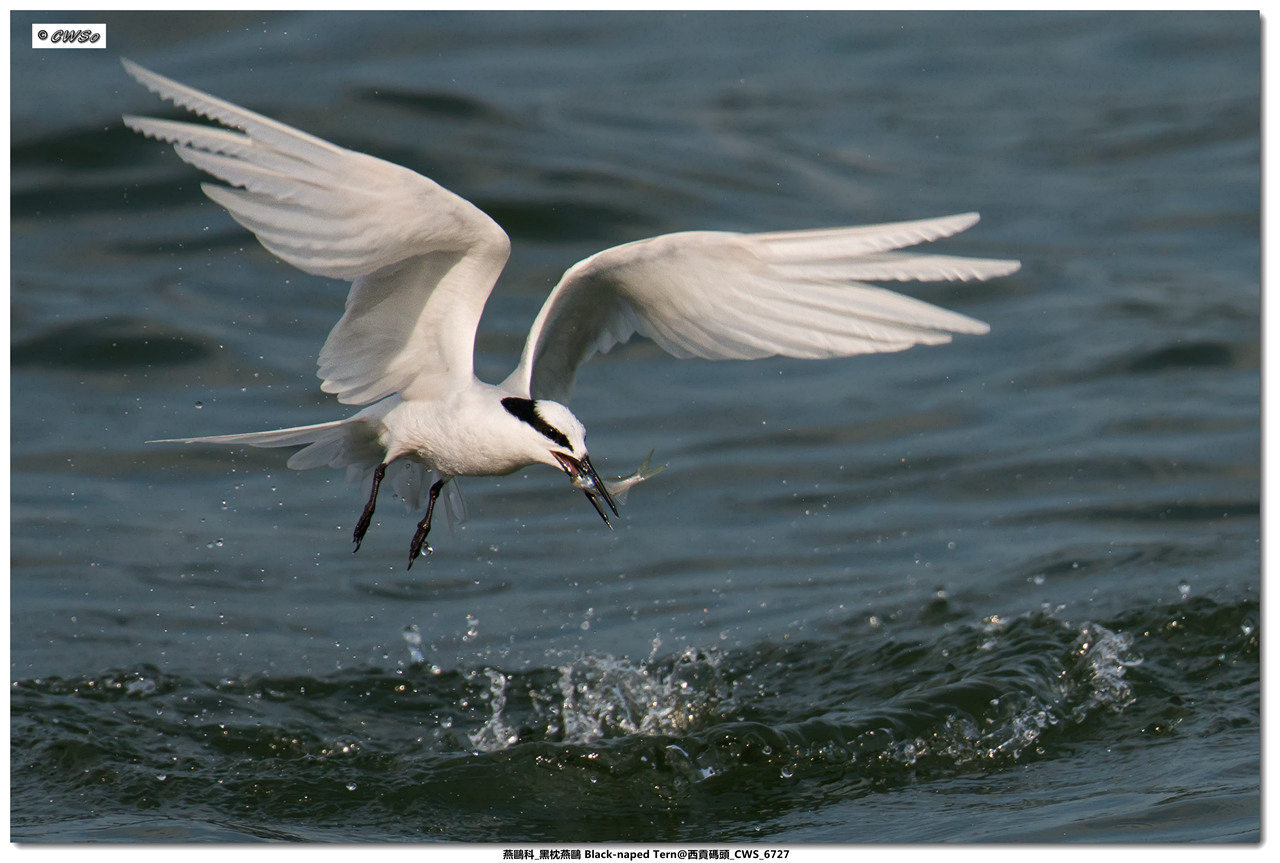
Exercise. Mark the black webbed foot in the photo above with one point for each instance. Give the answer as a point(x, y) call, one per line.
point(366, 517)
point(424, 526)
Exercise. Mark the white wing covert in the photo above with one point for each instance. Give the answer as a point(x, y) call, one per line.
point(422, 259)
point(723, 296)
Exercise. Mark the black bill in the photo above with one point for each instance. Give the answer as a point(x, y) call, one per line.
point(584, 476)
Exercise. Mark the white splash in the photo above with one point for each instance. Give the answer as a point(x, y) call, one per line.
point(596, 697)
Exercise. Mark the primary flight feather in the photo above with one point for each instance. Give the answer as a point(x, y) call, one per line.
point(422, 262)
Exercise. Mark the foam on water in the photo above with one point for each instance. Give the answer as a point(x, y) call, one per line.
point(596, 697)
point(601, 735)
point(999, 705)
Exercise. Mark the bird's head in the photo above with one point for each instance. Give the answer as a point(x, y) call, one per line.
point(562, 444)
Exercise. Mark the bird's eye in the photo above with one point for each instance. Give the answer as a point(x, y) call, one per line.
point(526, 410)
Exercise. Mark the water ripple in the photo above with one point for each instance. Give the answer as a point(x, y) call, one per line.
point(720, 730)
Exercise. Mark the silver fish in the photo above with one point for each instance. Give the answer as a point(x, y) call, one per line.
point(619, 487)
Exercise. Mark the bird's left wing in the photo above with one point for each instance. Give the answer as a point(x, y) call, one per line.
point(744, 296)
point(422, 259)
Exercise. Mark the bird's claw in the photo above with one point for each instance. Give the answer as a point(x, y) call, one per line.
point(418, 547)
point(361, 529)
point(424, 526)
point(416, 552)
point(366, 517)
point(358, 537)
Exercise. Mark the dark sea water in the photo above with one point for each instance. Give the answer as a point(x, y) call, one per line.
point(1005, 589)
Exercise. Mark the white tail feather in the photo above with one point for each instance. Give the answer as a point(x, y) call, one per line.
point(352, 444)
point(349, 442)
point(272, 438)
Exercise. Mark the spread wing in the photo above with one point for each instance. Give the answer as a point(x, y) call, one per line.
point(422, 259)
point(726, 296)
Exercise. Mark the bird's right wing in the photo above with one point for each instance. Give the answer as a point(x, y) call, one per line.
point(744, 296)
point(423, 260)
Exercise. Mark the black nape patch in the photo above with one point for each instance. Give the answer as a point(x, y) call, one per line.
point(526, 410)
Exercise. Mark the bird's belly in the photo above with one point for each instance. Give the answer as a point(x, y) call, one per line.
point(469, 463)
point(449, 440)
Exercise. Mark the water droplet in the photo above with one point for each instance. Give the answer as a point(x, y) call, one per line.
point(1184, 589)
point(199, 405)
point(351, 786)
point(413, 640)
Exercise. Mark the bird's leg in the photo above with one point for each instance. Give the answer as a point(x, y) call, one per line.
point(420, 535)
point(367, 516)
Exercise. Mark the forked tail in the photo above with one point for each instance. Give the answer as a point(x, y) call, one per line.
point(342, 443)
point(350, 443)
